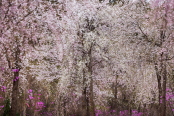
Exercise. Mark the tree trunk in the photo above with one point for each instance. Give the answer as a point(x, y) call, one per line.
point(14, 103)
point(15, 90)
point(159, 86)
point(92, 105)
point(116, 87)
point(161, 73)
point(85, 111)
point(92, 112)
point(87, 105)
point(85, 98)
point(64, 107)
point(164, 76)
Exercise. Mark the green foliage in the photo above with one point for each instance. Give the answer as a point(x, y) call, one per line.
point(17, 114)
point(7, 108)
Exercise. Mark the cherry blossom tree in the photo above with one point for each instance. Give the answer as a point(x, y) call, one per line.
point(160, 17)
point(21, 27)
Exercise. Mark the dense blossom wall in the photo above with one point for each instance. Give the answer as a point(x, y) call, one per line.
point(86, 57)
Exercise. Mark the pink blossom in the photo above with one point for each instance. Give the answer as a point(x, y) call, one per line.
point(168, 89)
point(30, 91)
point(31, 97)
point(27, 104)
point(17, 77)
point(113, 110)
point(134, 111)
point(3, 88)
point(98, 112)
point(36, 110)
point(2, 68)
point(15, 70)
point(2, 106)
point(39, 105)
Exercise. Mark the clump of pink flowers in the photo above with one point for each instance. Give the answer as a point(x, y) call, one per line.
point(38, 105)
point(16, 79)
point(3, 88)
point(15, 70)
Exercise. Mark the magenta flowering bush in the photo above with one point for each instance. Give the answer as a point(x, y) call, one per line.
point(3, 88)
point(136, 113)
point(39, 106)
point(1, 107)
point(124, 113)
point(120, 113)
point(169, 95)
point(33, 101)
point(98, 112)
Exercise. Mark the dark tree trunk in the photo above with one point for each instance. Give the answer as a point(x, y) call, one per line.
point(92, 105)
point(164, 75)
point(92, 99)
point(14, 103)
point(161, 73)
point(116, 87)
point(159, 85)
point(85, 103)
point(64, 107)
point(15, 90)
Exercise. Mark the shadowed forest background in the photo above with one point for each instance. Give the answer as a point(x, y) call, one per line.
point(86, 58)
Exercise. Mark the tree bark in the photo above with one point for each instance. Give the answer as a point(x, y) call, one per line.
point(14, 103)
point(92, 105)
point(164, 75)
point(116, 87)
point(15, 90)
point(161, 74)
point(92, 99)
point(159, 85)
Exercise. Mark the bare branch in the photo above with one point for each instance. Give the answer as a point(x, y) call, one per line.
point(145, 35)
